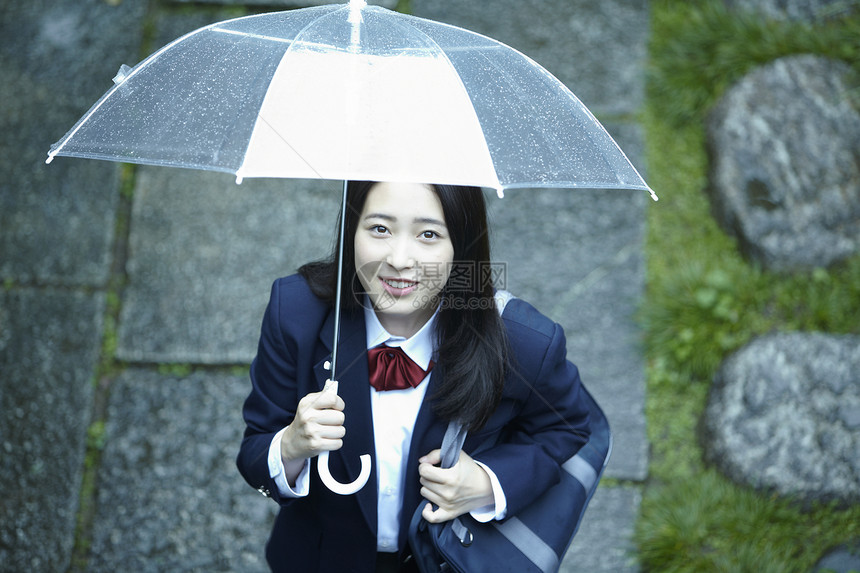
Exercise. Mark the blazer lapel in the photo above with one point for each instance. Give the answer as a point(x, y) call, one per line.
point(353, 387)
point(426, 436)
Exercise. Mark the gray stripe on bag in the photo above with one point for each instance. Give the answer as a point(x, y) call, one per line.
point(532, 546)
point(581, 470)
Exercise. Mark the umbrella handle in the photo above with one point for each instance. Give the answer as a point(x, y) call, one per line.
point(325, 474)
point(343, 488)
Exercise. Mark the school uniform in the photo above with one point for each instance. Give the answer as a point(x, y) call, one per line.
point(539, 423)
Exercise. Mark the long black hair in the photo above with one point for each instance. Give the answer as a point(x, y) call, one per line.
point(471, 345)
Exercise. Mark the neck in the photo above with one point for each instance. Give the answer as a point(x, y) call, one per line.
point(405, 326)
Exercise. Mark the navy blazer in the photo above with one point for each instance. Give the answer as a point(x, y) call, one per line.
point(539, 423)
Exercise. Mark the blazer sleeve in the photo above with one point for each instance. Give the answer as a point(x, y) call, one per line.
point(273, 399)
point(551, 424)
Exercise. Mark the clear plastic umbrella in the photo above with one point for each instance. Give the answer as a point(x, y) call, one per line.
point(351, 92)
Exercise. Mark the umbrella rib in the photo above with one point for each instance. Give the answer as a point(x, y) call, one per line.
point(264, 37)
point(254, 36)
point(287, 143)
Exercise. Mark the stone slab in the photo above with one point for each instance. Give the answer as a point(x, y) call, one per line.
point(604, 543)
point(845, 559)
point(597, 49)
point(783, 169)
point(783, 415)
point(169, 495)
point(604, 336)
point(57, 221)
point(49, 345)
point(203, 255)
point(800, 10)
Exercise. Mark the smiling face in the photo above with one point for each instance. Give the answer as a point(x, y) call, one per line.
point(403, 254)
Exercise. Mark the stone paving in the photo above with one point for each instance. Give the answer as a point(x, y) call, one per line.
point(163, 275)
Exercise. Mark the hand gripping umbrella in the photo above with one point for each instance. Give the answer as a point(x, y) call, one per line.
point(351, 92)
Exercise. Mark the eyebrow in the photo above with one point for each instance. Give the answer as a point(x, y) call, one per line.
point(426, 220)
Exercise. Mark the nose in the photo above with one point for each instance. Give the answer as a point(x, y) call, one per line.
point(401, 256)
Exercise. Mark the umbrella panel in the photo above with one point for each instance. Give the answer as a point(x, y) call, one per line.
point(181, 108)
point(538, 132)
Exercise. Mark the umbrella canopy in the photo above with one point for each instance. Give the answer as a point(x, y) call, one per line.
point(351, 92)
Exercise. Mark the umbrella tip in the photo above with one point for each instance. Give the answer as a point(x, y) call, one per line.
point(355, 7)
point(500, 192)
point(653, 195)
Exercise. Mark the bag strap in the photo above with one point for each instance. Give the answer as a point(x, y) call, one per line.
point(455, 435)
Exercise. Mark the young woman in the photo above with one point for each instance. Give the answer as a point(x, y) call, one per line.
point(421, 343)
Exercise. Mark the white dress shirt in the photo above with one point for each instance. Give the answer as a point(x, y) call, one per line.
point(394, 413)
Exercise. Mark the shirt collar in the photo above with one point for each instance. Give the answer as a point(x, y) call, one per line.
point(418, 347)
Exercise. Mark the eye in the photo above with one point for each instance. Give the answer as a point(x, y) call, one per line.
point(429, 235)
point(379, 229)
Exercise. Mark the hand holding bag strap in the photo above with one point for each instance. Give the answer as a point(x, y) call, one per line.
point(515, 531)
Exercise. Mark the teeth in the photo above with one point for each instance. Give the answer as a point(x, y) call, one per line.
point(399, 284)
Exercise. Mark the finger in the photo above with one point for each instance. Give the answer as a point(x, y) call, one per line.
point(318, 432)
point(432, 458)
point(439, 515)
point(326, 400)
point(432, 495)
point(326, 445)
point(331, 431)
point(326, 417)
point(434, 474)
point(442, 496)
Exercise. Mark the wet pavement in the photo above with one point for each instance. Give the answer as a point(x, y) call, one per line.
point(132, 297)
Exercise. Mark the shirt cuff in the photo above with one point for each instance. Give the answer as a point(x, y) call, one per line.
point(496, 510)
point(279, 474)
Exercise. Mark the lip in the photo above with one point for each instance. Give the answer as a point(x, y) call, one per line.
point(398, 291)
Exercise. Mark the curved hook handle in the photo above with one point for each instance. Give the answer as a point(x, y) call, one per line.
point(343, 488)
point(325, 474)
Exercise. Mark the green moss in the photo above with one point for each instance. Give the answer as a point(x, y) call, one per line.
point(705, 523)
point(701, 48)
point(175, 370)
point(96, 438)
point(127, 178)
point(404, 6)
point(240, 371)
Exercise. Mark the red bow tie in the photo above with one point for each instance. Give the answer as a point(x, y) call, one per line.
point(391, 369)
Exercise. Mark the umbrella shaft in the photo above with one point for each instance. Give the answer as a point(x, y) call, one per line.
point(338, 288)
